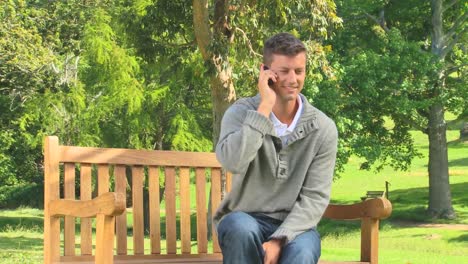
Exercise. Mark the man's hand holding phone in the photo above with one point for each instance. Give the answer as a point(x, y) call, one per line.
point(266, 82)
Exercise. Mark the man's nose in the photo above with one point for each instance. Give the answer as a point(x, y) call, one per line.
point(291, 77)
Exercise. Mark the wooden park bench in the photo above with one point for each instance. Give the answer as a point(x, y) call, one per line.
point(103, 194)
point(372, 195)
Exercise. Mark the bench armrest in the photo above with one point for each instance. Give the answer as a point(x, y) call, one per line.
point(377, 208)
point(369, 212)
point(109, 204)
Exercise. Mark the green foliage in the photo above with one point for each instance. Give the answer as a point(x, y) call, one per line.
point(186, 134)
point(129, 74)
point(31, 195)
point(385, 81)
point(391, 82)
point(6, 163)
point(71, 69)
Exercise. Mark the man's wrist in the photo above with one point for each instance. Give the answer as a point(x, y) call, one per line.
point(265, 109)
point(279, 240)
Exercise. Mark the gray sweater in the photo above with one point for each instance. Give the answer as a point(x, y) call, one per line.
point(291, 183)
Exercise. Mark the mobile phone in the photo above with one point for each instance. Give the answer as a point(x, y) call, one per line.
point(270, 81)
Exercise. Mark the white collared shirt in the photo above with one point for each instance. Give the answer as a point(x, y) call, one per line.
point(282, 130)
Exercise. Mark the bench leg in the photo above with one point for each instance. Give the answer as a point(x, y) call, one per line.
point(105, 239)
point(370, 240)
point(51, 239)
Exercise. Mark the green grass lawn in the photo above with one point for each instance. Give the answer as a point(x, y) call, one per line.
point(21, 229)
point(409, 194)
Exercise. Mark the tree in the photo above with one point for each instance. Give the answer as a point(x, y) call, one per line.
point(393, 63)
point(247, 23)
point(24, 74)
point(440, 203)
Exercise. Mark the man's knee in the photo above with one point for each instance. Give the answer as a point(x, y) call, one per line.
point(306, 248)
point(238, 226)
point(302, 255)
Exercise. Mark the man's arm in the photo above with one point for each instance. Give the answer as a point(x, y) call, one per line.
point(315, 193)
point(242, 130)
point(242, 133)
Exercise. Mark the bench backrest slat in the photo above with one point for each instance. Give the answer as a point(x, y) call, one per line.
point(228, 181)
point(121, 220)
point(170, 194)
point(202, 233)
point(154, 210)
point(185, 229)
point(103, 178)
point(215, 201)
point(137, 204)
point(69, 193)
point(138, 157)
point(85, 194)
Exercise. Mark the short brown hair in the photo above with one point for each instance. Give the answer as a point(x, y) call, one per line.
point(282, 44)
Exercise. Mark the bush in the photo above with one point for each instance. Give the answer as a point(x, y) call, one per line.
point(27, 194)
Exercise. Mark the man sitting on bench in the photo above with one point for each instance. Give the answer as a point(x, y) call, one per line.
point(282, 153)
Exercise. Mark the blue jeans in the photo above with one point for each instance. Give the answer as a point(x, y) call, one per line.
point(241, 236)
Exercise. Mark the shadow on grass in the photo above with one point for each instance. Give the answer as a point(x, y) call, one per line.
point(408, 205)
point(328, 227)
point(461, 238)
point(411, 204)
point(457, 144)
point(459, 162)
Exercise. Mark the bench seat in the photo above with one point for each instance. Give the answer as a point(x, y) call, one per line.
point(179, 259)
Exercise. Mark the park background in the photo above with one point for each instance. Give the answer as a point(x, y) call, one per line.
point(159, 74)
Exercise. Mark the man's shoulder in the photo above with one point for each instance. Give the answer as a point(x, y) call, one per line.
point(319, 117)
point(310, 111)
point(245, 103)
point(249, 102)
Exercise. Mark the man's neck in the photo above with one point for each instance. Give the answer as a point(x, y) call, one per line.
point(285, 111)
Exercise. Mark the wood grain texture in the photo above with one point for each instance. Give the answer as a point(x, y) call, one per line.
point(202, 232)
point(69, 193)
point(154, 210)
point(105, 207)
point(173, 259)
point(170, 193)
point(103, 178)
point(137, 157)
point(215, 201)
point(51, 192)
point(121, 221)
point(184, 191)
point(85, 195)
point(105, 239)
point(138, 219)
point(228, 181)
point(370, 240)
point(379, 208)
point(110, 204)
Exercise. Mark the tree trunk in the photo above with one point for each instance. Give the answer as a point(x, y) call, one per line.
point(440, 198)
point(222, 88)
point(220, 71)
point(222, 96)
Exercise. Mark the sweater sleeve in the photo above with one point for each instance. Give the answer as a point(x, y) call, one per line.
point(241, 136)
point(314, 195)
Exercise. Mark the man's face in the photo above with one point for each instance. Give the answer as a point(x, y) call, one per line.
point(291, 71)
